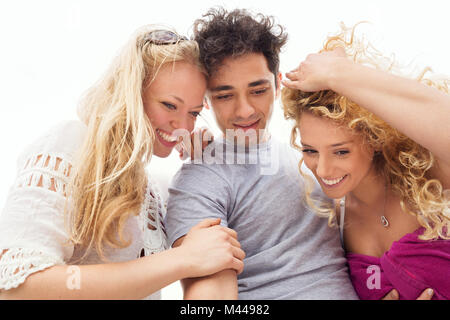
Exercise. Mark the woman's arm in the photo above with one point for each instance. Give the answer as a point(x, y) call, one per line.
point(418, 111)
point(208, 248)
point(134, 279)
point(219, 286)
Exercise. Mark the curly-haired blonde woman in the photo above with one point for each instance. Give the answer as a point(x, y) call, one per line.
point(379, 143)
point(84, 220)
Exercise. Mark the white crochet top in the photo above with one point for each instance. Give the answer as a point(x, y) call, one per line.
point(33, 235)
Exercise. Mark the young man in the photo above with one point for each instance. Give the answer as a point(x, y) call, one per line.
point(291, 253)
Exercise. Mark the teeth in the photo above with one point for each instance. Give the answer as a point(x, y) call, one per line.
point(332, 182)
point(165, 136)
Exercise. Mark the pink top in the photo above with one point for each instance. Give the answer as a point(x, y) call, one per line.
point(410, 266)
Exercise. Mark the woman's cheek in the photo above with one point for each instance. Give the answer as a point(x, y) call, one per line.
point(309, 163)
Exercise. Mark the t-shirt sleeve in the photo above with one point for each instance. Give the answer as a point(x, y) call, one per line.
point(197, 192)
point(33, 236)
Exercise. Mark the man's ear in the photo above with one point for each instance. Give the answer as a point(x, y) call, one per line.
point(278, 79)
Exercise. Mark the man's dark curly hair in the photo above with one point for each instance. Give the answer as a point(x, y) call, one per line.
point(221, 34)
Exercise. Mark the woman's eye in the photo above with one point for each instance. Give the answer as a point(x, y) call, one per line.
point(195, 114)
point(342, 152)
point(169, 105)
point(309, 151)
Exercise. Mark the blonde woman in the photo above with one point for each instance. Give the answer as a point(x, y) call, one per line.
point(379, 143)
point(84, 220)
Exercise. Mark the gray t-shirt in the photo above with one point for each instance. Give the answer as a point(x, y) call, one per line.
point(291, 253)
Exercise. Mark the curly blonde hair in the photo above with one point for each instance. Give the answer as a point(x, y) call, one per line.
point(402, 162)
point(109, 179)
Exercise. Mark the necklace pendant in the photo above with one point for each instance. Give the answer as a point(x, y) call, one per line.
point(384, 221)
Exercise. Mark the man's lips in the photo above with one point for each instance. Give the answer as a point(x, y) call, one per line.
point(251, 125)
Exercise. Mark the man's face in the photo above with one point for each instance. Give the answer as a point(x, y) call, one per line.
point(242, 93)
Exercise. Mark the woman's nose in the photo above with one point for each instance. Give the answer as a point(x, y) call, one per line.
point(182, 122)
point(323, 169)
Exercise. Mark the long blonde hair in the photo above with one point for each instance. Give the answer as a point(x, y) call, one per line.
point(108, 180)
point(404, 163)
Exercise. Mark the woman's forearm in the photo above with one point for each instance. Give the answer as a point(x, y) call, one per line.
point(134, 279)
point(208, 248)
point(420, 112)
point(220, 286)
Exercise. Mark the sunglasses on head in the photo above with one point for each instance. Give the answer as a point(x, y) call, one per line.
point(163, 37)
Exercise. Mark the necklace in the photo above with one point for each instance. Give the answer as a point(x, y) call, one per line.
point(384, 220)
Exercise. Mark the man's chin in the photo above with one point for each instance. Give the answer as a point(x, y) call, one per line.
point(246, 137)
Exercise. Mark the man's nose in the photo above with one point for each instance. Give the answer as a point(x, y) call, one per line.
point(244, 109)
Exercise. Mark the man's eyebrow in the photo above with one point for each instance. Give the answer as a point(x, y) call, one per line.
point(258, 83)
point(221, 88)
point(250, 85)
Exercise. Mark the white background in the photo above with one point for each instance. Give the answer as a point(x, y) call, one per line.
point(52, 51)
